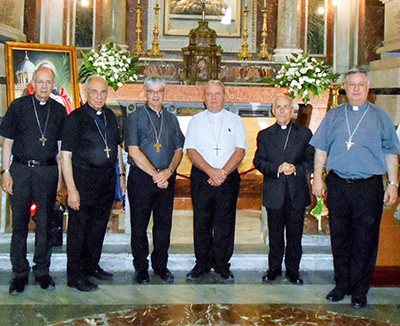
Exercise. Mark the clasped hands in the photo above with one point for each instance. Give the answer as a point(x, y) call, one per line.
point(217, 177)
point(161, 178)
point(287, 168)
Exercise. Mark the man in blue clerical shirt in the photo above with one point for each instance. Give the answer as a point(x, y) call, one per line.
point(358, 144)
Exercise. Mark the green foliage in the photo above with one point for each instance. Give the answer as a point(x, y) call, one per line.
point(118, 67)
point(63, 69)
point(304, 76)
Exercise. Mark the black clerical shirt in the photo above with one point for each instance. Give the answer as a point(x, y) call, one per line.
point(82, 137)
point(20, 125)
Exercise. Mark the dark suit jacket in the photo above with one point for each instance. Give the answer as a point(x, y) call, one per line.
point(270, 155)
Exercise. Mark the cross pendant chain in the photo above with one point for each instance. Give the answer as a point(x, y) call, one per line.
point(349, 143)
point(107, 150)
point(43, 140)
point(104, 137)
point(217, 149)
point(158, 146)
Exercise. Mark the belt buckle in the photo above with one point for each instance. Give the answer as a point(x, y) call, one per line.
point(31, 163)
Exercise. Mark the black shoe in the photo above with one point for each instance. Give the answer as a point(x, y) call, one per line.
point(196, 273)
point(165, 274)
point(358, 301)
point(336, 295)
point(142, 277)
point(226, 275)
point(18, 284)
point(46, 282)
point(294, 278)
point(271, 274)
point(82, 284)
point(101, 274)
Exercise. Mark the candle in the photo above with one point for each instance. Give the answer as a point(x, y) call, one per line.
point(138, 2)
point(265, 3)
point(245, 3)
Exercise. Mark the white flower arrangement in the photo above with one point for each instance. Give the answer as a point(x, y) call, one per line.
point(304, 76)
point(118, 67)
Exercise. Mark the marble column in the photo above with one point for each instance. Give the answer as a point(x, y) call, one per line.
point(288, 35)
point(114, 22)
point(385, 73)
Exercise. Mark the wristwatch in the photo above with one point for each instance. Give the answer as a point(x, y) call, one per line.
point(4, 171)
point(393, 183)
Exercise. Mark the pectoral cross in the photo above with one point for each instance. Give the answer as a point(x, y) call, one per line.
point(158, 145)
point(43, 140)
point(349, 143)
point(107, 150)
point(217, 149)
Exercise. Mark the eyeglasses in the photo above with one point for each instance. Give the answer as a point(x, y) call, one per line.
point(152, 91)
point(354, 85)
point(44, 82)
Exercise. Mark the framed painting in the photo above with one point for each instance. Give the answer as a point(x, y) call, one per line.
point(224, 16)
point(22, 59)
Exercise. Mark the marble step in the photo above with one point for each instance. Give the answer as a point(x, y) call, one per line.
point(247, 257)
point(185, 262)
point(120, 243)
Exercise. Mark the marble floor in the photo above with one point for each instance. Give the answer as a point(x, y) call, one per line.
point(246, 301)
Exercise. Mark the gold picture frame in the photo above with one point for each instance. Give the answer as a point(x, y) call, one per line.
point(224, 16)
point(23, 58)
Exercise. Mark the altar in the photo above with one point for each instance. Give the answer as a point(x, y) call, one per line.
point(252, 103)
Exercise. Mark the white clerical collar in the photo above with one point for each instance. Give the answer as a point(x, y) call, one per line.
point(283, 127)
point(358, 107)
point(42, 102)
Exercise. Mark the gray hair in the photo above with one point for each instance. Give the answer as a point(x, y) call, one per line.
point(217, 82)
point(87, 82)
point(153, 80)
point(44, 68)
point(294, 105)
point(360, 70)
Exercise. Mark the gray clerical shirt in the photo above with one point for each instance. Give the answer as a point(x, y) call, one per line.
point(140, 131)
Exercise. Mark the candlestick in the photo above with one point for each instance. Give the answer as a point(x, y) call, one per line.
point(155, 51)
point(139, 52)
point(245, 54)
point(264, 54)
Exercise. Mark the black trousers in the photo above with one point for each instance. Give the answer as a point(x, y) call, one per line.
point(355, 211)
point(87, 226)
point(292, 219)
point(146, 198)
point(214, 218)
point(39, 185)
